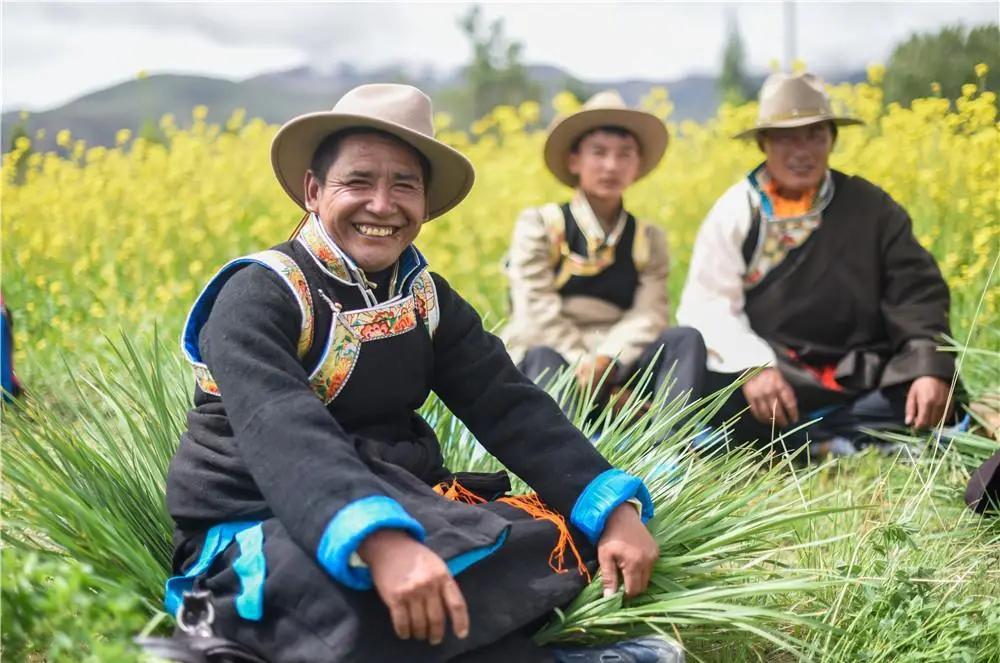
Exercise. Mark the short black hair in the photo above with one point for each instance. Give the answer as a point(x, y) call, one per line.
point(329, 149)
point(760, 134)
point(612, 129)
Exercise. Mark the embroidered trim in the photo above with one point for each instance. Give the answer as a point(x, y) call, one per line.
point(348, 329)
point(384, 321)
point(779, 235)
point(588, 223)
point(552, 219)
point(426, 300)
point(337, 363)
point(640, 245)
point(600, 246)
point(327, 255)
point(277, 262)
point(353, 328)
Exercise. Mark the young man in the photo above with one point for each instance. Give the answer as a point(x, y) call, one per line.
point(304, 447)
point(588, 281)
point(817, 276)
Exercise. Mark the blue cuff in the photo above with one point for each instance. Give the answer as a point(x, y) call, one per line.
point(603, 495)
point(350, 526)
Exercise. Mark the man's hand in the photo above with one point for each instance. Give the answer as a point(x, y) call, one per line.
point(590, 371)
point(416, 586)
point(628, 546)
point(770, 396)
point(926, 402)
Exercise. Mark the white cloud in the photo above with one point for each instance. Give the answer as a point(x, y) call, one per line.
point(55, 52)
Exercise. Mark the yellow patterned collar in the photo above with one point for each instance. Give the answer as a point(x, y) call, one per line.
point(591, 226)
point(337, 264)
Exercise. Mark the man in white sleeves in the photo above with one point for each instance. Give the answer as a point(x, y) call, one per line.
point(816, 276)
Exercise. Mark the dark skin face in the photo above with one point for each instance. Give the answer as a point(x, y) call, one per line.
point(372, 201)
point(797, 157)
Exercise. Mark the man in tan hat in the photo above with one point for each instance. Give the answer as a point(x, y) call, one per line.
point(310, 498)
point(816, 276)
point(588, 281)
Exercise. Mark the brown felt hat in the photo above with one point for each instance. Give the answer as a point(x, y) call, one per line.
point(794, 100)
point(400, 110)
point(604, 109)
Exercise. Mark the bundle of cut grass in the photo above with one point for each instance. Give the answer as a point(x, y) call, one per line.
point(755, 554)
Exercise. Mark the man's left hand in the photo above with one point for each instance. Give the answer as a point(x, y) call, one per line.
point(926, 402)
point(627, 546)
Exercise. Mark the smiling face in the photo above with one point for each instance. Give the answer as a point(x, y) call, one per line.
point(797, 158)
point(371, 200)
point(605, 163)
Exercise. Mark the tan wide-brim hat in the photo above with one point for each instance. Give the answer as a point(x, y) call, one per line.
point(604, 109)
point(400, 110)
point(794, 100)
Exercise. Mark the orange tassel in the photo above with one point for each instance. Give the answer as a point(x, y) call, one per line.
point(533, 506)
point(456, 492)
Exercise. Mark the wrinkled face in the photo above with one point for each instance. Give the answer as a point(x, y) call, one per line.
point(606, 164)
point(797, 157)
point(372, 201)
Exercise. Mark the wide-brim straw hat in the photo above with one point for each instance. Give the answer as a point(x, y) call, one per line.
point(400, 110)
point(794, 100)
point(604, 109)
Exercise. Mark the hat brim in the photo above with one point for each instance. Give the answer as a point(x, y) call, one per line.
point(648, 130)
point(292, 149)
point(840, 121)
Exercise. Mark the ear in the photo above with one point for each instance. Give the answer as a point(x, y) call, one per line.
point(573, 163)
point(312, 187)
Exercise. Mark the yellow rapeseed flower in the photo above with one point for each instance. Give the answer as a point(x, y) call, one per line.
point(131, 232)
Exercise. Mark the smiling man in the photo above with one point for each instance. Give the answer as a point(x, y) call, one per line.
point(816, 276)
point(311, 499)
point(588, 281)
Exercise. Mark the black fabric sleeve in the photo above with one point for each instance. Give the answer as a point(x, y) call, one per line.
point(303, 462)
point(915, 301)
point(511, 417)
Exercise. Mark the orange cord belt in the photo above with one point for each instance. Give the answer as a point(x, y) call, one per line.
point(533, 506)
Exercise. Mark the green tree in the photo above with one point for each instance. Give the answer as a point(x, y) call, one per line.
point(732, 84)
point(20, 130)
point(496, 75)
point(947, 57)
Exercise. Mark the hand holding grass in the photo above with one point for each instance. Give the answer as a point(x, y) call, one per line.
point(771, 398)
point(926, 402)
point(626, 546)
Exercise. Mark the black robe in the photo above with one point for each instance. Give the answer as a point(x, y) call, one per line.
point(860, 294)
point(270, 452)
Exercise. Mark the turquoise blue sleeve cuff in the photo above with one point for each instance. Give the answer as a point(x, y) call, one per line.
point(349, 527)
point(603, 495)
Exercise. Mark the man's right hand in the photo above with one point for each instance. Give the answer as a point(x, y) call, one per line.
point(416, 586)
point(771, 398)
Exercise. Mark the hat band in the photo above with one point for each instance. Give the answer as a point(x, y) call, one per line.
point(796, 114)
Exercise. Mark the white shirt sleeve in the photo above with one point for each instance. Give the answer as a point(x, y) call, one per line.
point(713, 299)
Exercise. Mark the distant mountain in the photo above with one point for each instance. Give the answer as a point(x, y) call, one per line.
point(277, 96)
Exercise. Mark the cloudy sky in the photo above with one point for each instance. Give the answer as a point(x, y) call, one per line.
point(53, 53)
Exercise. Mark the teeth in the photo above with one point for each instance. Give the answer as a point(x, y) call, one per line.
point(375, 231)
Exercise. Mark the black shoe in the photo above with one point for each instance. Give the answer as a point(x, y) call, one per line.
point(650, 649)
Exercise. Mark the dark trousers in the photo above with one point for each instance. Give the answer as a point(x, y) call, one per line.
point(879, 409)
point(681, 350)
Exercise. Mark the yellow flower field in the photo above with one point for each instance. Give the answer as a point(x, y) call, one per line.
point(125, 237)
